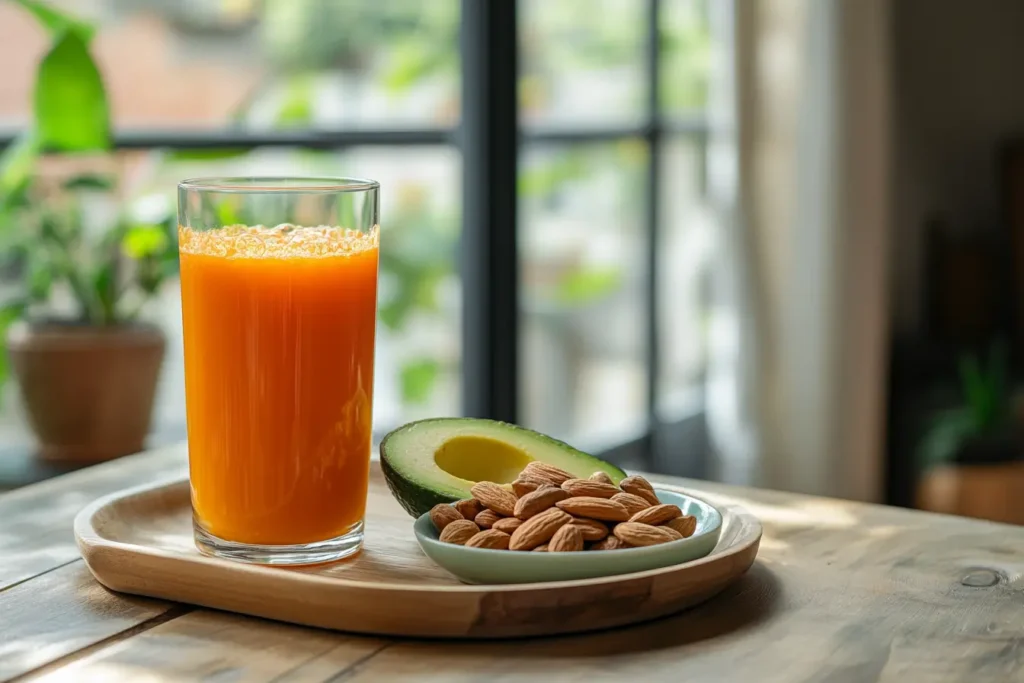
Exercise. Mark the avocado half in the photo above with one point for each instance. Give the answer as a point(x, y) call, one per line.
point(438, 460)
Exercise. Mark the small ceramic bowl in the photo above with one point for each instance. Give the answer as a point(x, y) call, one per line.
point(481, 565)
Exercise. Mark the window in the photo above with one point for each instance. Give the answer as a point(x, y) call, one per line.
point(612, 232)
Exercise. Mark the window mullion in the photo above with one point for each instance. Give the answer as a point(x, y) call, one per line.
point(490, 266)
point(651, 219)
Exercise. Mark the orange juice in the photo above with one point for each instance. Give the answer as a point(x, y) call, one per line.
point(279, 340)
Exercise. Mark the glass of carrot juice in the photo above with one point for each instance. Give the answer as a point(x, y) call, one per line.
point(278, 301)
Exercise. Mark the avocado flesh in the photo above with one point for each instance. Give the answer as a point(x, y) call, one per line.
point(438, 460)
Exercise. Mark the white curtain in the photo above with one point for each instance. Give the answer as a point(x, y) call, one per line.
point(799, 166)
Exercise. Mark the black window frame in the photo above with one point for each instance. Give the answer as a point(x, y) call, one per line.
point(490, 138)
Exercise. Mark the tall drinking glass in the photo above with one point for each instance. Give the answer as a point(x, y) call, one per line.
point(278, 300)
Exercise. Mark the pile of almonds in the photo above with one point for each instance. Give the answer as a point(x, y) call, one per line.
point(550, 510)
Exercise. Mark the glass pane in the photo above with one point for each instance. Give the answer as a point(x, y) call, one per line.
point(687, 234)
point(418, 337)
point(270, 64)
point(581, 62)
point(582, 290)
point(686, 56)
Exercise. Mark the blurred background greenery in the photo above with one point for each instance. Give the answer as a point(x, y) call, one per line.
point(314, 66)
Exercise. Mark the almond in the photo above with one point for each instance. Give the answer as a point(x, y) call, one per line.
point(538, 501)
point(494, 497)
point(491, 538)
point(639, 486)
point(685, 525)
point(568, 539)
point(541, 548)
point(538, 529)
point(609, 543)
point(523, 485)
point(443, 514)
point(585, 487)
point(469, 508)
point(540, 470)
point(507, 524)
point(459, 531)
point(486, 519)
point(637, 534)
point(636, 480)
point(657, 514)
point(601, 477)
point(591, 529)
point(676, 536)
point(633, 504)
point(594, 508)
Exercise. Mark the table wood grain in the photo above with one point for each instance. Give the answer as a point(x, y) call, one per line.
point(841, 592)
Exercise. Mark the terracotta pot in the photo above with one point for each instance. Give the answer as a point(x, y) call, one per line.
point(993, 491)
point(88, 391)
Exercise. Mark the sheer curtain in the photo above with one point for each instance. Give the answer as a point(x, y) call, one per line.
point(800, 169)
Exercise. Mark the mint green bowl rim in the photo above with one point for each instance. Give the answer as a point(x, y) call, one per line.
point(714, 525)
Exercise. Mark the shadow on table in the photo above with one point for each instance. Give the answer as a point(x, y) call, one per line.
point(752, 600)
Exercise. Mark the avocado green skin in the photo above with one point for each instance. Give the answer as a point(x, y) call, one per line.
point(418, 498)
point(413, 498)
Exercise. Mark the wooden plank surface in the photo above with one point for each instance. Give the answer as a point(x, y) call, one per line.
point(216, 646)
point(61, 612)
point(36, 532)
point(841, 592)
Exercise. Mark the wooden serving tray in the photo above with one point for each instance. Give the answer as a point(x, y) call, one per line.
point(140, 541)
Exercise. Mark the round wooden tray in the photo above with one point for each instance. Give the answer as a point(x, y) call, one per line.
point(140, 541)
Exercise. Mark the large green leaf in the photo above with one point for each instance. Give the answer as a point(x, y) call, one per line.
point(71, 109)
point(55, 21)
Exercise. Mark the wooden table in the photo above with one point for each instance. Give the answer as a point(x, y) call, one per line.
point(841, 592)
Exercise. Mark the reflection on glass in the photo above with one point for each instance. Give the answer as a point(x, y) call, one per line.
point(687, 237)
point(582, 243)
point(267, 64)
point(419, 313)
point(685, 42)
point(581, 61)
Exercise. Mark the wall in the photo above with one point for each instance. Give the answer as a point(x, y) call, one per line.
point(958, 91)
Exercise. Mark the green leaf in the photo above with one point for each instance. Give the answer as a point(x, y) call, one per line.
point(55, 21)
point(9, 312)
point(71, 109)
point(213, 154)
point(17, 163)
point(417, 379)
point(414, 61)
point(393, 314)
point(104, 285)
point(227, 213)
point(90, 181)
point(297, 108)
point(945, 437)
point(40, 276)
point(583, 286)
point(144, 241)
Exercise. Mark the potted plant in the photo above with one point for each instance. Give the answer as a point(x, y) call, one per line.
point(971, 455)
point(86, 366)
